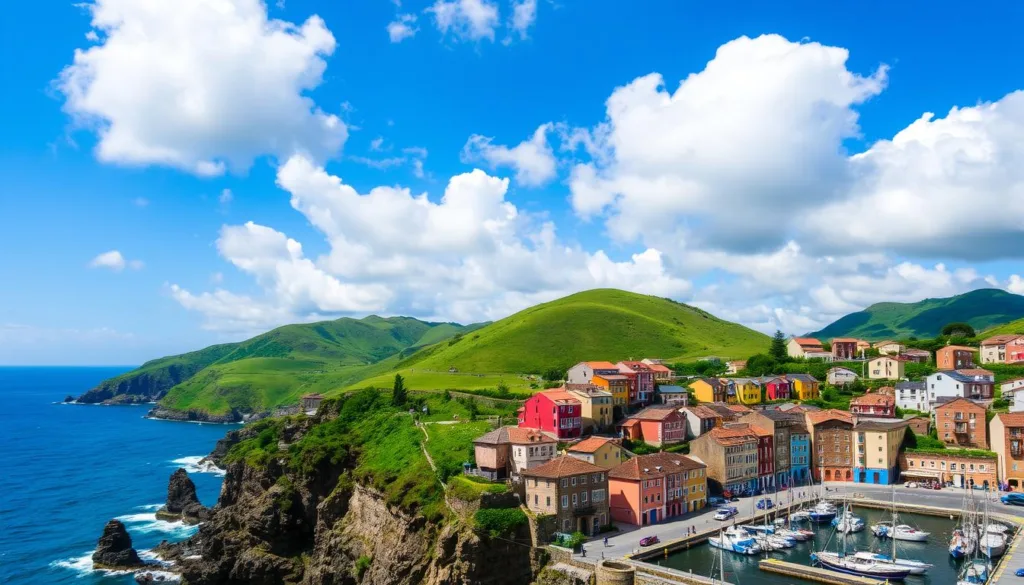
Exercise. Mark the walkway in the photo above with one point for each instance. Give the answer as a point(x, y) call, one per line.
point(1012, 560)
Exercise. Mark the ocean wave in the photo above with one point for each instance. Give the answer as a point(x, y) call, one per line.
point(147, 523)
point(83, 566)
point(195, 464)
point(153, 507)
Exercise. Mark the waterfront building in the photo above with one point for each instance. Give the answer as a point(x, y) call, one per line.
point(961, 423)
point(730, 456)
point(573, 491)
point(653, 488)
point(831, 452)
point(961, 468)
point(877, 445)
point(1008, 444)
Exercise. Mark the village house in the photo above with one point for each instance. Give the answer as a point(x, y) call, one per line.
point(653, 488)
point(874, 404)
point(555, 412)
point(1013, 392)
point(708, 389)
point(699, 420)
point(993, 349)
point(641, 381)
point(886, 367)
point(655, 425)
point(799, 454)
point(961, 423)
point(735, 366)
point(506, 451)
point(840, 376)
point(1008, 444)
point(745, 390)
point(601, 451)
point(775, 388)
point(831, 455)
point(311, 402)
point(919, 424)
point(952, 465)
point(584, 372)
point(722, 409)
point(912, 396)
point(889, 347)
point(739, 409)
point(976, 384)
point(674, 395)
point(573, 491)
point(616, 384)
point(877, 450)
point(954, 357)
point(799, 346)
point(662, 373)
point(920, 356)
point(844, 348)
point(803, 386)
point(596, 406)
point(780, 425)
point(765, 453)
point(731, 459)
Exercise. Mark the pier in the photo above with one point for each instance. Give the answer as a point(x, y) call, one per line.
point(813, 573)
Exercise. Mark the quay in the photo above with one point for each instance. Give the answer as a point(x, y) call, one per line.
point(813, 573)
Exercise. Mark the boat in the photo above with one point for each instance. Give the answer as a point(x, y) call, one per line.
point(974, 572)
point(796, 534)
point(735, 540)
point(915, 567)
point(822, 513)
point(964, 541)
point(846, 522)
point(990, 544)
point(800, 516)
point(851, 565)
point(885, 529)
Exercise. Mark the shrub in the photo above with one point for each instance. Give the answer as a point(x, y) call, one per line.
point(500, 521)
point(362, 564)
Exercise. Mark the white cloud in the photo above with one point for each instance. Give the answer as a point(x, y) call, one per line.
point(200, 85)
point(465, 19)
point(1016, 284)
point(225, 197)
point(524, 15)
point(377, 143)
point(379, 163)
point(533, 159)
point(112, 260)
point(403, 27)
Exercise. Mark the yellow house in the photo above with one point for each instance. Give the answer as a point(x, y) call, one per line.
point(696, 485)
point(616, 384)
point(600, 451)
point(886, 368)
point(877, 444)
point(596, 405)
point(748, 390)
point(708, 390)
point(805, 386)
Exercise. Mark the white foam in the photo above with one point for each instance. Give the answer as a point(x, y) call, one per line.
point(195, 464)
point(83, 566)
point(153, 507)
point(148, 522)
point(147, 517)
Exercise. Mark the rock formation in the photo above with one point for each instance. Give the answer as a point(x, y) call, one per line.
point(114, 549)
point(182, 502)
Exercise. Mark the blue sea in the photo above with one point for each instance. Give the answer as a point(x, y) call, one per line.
point(68, 469)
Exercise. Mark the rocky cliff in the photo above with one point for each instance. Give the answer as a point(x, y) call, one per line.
point(276, 525)
point(114, 549)
point(182, 502)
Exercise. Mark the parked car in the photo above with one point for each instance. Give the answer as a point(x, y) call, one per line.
point(716, 501)
point(765, 504)
point(725, 512)
point(910, 484)
point(1013, 499)
point(649, 540)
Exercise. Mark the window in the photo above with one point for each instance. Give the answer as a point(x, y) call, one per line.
point(548, 502)
point(565, 501)
point(583, 480)
point(597, 496)
point(565, 482)
point(536, 499)
point(583, 497)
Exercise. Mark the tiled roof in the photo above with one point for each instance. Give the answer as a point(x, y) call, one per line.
point(636, 366)
point(659, 368)
point(513, 435)
point(911, 385)
point(655, 465)
point(960, 402)
point(701, 411)
point(560, 395)
point(975, 372)
point(845, 340)
point(873, 399)
point(779, 415)
point(722, 409)
point(760, 431)
point(588, 389)
point(611, 377)
point(563, 466)
point(726, 436)
point(739, 408)
point(802, 377)
point(959, 347)
point(591, 445)
point(807, 341)
point(1000, 339)
point(821, 416)
point(1012, 419)
point(654, 413)
point(601, 365)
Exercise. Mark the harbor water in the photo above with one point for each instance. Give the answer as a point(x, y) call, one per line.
point(741, 569)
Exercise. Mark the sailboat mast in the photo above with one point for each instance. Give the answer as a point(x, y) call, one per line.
point(893, 523)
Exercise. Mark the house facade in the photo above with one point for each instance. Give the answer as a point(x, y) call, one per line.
point(584, 372)
point(840, 376)
point(596, 406)
point(745, 391)
point(699, 420)
point(670, 394)
point(975, 384)
point(993, 349)
point(1008, 444)
point(642, 377)
point(803, 386)
point(955, 467)
point(730, 456)
point(877, 451)
point(844, 348)
point(889, 347)
point(954, 357)
point(775, 388)
point(507, 451)
point(765, 457)
point(912, 396)
point(1013, 392)
point(600, 451)
point(798, 347)
point(874, 404)
point(655, 425)
point(920, 356)
point(799, 455)
point(780, 424)
point(616, 384)
point(662, 373)
point(831, 453)
point(573, 491)
point(653, 488)
point(919, 424)
point(961, 423)
point(886, 367)
point(555, 412)
point(708, 390)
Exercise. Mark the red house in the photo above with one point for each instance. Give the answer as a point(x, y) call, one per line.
point(776, 388)
point(844, 348)
point(641, 378)
point(655, 425)
point(765, 454)
point(555, 412)
point(874, 404)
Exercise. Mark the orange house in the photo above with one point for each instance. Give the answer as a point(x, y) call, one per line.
point(651, 488)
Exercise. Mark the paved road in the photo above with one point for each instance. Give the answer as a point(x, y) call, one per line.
point(627, 540)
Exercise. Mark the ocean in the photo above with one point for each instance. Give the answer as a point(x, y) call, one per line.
point(68, 469)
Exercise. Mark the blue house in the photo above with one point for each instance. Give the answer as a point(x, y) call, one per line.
point(799, 456)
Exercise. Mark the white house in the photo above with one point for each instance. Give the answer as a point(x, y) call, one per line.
point(583, 372)
point(913, 396)
point(974, 384)
point(889, 347)
point(840, 376)
point(799, 346)
point(825, 356)
point(1013, 391)
point(886, 368)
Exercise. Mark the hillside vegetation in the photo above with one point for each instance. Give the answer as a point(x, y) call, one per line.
point(1013, 327)
point(982, 309)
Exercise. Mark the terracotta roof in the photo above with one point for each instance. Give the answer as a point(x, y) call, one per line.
point(956, 403)
point(975, 372)
point(760, 431)
point(654, 413)
point(845, 340)
point(1000, 339)
point(563, 466)
point(731, 436)
point(877, 425)
point(635, 366)
point(591, 444)
point(739, 408)
point(629, 422)
point(1012, 419)
point(873, 399)
point(588, 389)
point(560, 395)
point(611, 377)
point(807, 341)
point(820, 416)
point(513, 435)
point(601, 365)
point(961, 347)
point(701, 411)
point(647, 466)
point(659, 368)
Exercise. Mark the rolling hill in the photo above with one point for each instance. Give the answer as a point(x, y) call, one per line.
point(983, 308)
point(1011, 328)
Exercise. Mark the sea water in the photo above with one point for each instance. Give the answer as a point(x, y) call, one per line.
point(68, 469)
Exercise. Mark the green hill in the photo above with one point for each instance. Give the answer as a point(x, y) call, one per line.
point(983, 308)
point(1013, 327)
point(601, 324)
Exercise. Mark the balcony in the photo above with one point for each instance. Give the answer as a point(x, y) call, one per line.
point(585, 510)
point(960, 428)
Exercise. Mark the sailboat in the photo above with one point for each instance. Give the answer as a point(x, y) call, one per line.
point(974, 572)
point(858, 565)
point(964, 541)
point(991, 544)
point(846, 522)
point(915, 567)
point(736, 540)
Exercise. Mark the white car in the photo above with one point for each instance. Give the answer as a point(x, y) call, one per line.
point(910, 484)
point(724, 514)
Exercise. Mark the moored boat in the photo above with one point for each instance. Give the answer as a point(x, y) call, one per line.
point(851, 565)
point(915, 567)
point(735, 540)
point(885, 529)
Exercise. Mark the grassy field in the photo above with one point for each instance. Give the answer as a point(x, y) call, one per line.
point(417, 379)
point(1011, 328)
point(451, 445)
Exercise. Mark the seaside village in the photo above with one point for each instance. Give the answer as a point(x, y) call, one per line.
point(631, 443)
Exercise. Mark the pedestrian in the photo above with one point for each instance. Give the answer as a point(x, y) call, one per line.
point(583, 551)
point(694, 528)
point(605, 542)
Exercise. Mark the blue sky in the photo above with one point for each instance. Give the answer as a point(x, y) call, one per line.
point(254, 164)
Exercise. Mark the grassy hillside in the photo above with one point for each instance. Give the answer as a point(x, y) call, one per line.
point(598, 324)
point(982, 308)
point(1013, 327)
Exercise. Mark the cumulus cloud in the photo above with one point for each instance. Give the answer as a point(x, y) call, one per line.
point(200, 85)
point(226, 196)
point(468, 20)
point(114, 260)
point(403, 27)
point(524, 14)
point(533, 159)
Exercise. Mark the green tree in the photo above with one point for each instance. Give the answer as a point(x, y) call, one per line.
point(761, 365)
point(778, 347)
point(958, 329)
point(554, 375)
point(398, 392)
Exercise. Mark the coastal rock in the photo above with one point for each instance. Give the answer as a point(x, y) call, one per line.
point(165, 413)
point(182, 501)
point(114, 549)
point(69, 398)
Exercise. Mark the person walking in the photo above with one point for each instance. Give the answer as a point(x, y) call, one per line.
point(606, 541)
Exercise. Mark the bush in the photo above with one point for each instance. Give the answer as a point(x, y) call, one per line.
point(362, 564)
point(469, 488)
point(500, 521)
point(572, 541)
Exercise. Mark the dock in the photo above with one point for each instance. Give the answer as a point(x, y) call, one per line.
point(813, 573)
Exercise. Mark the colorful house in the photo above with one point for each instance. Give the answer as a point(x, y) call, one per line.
point(699, 420)
point(844, 348)
point(601, 451)
point(765, 456)
point(877, 451)
point(1008, 444)
point(799, 347)
point(961, 423)
point(831, 453)
point(874, 404)
point(662, 373)
point(675, 395)
point(616, 384)
point(746, 390)
point(804, 386)
point(955, 357)
point(573, 491)
point(731, 457)
point(584, 372)
point(508, 451)
point(649, 489)
point(596, 403)
point(780, 424)
point(655, 425)
point(642, 377)
point(799, 455)
point(708, 390)
point(555, 412)
point(776, 387)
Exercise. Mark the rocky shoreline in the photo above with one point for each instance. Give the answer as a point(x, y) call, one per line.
point(164, 413)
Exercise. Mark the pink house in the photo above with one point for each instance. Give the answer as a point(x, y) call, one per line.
point(1015, 351)
point(777, 388)
point(655, 425)
point(874, 404)
point(555, 412)
point(641, 377)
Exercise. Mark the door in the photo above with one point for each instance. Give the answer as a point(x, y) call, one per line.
point(597, 527)
point(653, 517)
point(874, 476)
point(958, 480)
